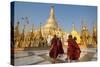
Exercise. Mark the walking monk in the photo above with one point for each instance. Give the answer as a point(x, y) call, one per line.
point(77, 50)
point(54, 49)
point(60, 47)
point(70, 48)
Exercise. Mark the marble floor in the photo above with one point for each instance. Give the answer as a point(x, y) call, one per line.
point(34, 57)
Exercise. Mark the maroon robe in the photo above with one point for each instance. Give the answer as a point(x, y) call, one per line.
point(70, 49)
point(60, 47)
point(77, 51)
point(54, 48)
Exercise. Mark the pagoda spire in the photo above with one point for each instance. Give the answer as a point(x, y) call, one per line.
point(40, 32)
point(94, 28)
point(17, 29)
point(73, 26)
point(52, 15)
point(32, 28)
point(51, 21)
point(23, 31)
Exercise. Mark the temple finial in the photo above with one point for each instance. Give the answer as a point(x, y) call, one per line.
point(73, 25)
point(52, 12)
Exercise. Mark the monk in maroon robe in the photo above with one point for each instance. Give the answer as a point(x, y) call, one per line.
point(54, 49)
point(70, 48)
point(77, 50)
point(60, 47)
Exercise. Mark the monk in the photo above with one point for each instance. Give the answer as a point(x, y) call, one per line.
point(54, 49)
point(70, 48)
point(77, 50)
point(60, 47)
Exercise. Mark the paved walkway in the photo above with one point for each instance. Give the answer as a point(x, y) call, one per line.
point(42, 57)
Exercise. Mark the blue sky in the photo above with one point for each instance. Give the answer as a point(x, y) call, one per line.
point(65, 15)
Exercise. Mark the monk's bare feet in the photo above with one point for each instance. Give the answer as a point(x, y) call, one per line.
point(53, 62)
point(69, 61)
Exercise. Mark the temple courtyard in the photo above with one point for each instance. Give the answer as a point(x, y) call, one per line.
point(34, 57)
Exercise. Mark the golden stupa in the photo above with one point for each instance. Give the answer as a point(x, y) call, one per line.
point(74, 33)
point(94, 35)
point(85, 36)
point(51, 27)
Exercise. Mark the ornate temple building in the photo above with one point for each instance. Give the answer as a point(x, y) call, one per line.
point(84, 36)
point(74, 33)
point(51, 27)
point(94, 35)
point(16, 34)
point(51, 23)
point(41, 36)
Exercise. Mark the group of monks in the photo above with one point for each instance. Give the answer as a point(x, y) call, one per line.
point(56, 49)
